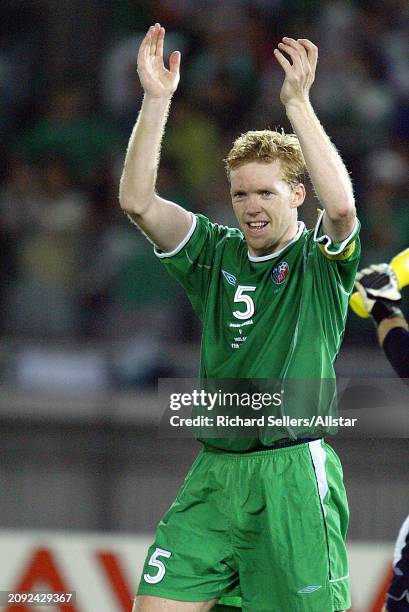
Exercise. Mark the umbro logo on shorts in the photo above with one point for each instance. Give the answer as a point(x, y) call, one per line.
point(310, 589)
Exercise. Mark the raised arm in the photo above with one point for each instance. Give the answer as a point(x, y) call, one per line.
point(328, 173)
point(164, 222)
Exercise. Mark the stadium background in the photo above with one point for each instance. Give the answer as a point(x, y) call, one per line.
point(88, 318)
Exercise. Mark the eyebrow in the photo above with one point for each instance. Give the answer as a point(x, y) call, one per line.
point(238, 191)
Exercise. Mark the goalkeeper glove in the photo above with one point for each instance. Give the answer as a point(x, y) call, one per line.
point(378, 287)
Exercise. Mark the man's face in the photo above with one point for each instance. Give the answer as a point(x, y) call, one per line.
point(265, 205)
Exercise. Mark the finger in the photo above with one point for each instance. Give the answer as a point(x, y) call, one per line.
point(294, 43)
point(312, 51)
point(283, 61)
point(144, 45)
point(365, 271)
point(159, 45)
point(154, 39)
point(309, 46)
point(363, 294)
point(174, 62)
point(145, 51)
point(359, 287)
point(300, 50)
point(148, 45)
point(293, 53)
point(382, 268)
point(156, 33)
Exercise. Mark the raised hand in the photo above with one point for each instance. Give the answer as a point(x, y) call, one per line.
point(300, 72)
point(156, 80)
point(378, 283)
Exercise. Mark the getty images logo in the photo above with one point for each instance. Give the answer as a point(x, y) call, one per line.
point(310, 589)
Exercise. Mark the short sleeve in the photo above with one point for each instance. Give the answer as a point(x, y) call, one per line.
point(330, 269)
point(344, 255)
point(191, 262)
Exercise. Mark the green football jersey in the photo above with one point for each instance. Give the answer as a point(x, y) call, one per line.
point(279, 317)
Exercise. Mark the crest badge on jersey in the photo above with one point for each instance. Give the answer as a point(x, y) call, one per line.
point(280, 272)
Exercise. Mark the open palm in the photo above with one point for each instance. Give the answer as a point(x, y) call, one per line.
point(156, 80)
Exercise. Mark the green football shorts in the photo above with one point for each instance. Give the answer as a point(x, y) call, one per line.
point(264, 531)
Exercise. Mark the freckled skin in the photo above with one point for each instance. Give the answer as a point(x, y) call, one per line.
point(260, 193)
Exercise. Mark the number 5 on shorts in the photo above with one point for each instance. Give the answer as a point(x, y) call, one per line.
point(154, 562)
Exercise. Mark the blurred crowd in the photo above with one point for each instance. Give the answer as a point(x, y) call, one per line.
point(72, 266)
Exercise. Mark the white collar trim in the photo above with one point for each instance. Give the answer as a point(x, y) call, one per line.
point(301, 228)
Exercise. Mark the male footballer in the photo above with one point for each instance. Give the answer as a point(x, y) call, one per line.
point(378, 287)
point(265, 517)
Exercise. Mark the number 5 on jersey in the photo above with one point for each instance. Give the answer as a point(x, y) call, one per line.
point(247, 300)
point(155, 562)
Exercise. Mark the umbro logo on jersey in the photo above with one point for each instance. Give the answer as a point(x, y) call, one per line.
point(232, 280)
point(279, 272)
point(310, 589)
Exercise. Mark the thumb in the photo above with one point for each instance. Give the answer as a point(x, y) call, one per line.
point(359, 287)
point(174, 62)
point(361, 290)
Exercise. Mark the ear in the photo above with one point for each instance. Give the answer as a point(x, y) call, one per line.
point(298, 195)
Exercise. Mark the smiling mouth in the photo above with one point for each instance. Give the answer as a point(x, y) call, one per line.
point(257, 226)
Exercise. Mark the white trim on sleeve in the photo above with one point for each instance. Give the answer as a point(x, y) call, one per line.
point(180, 246)
point(327, 240)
